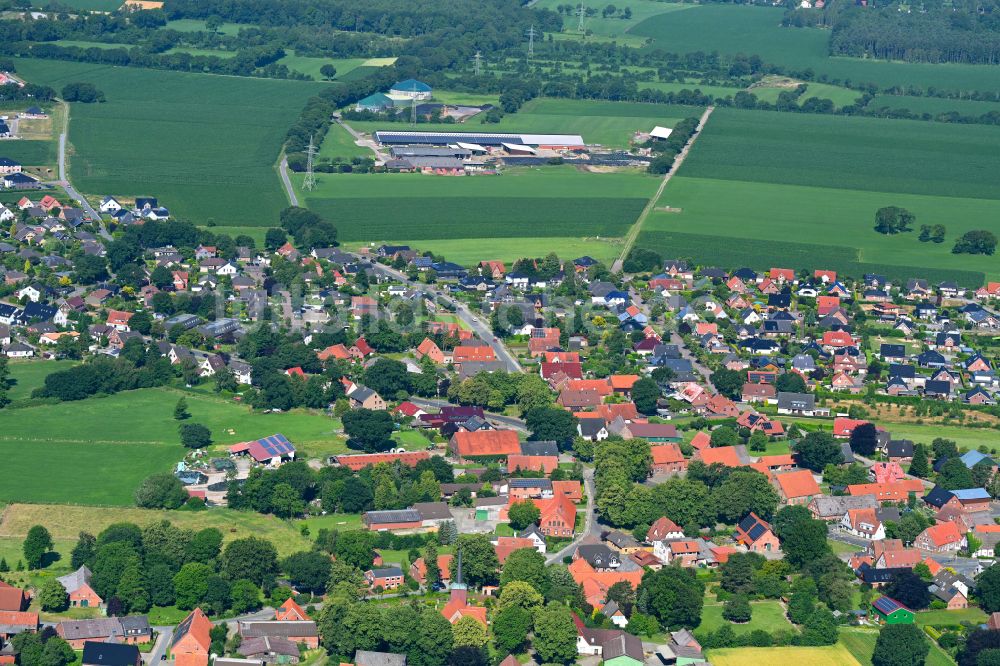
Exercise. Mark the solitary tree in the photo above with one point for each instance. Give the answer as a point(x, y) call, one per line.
point(328, 71)
point(181, 410)
point(36, 545)
point(737, 609)
point(900, 645)
point(522, 514)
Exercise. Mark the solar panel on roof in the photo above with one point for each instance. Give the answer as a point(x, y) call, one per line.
point(746, 523)
point(756, 531)
point(886, 605)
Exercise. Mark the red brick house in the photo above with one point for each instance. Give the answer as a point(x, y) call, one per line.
point(756, 534)
point(759, 392)
point(290, 612)
point(484, 443)
point(558, 516)
point(191, 641)
point(418, 570)
point(429, 349)
point(12, 598)
point(798, 487)
point(81, 594)
point(545, 464)
point(940, 538)
point(667, 459)
point(388, 578)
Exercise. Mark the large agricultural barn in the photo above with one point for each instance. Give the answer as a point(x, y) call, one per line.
point(464, 139)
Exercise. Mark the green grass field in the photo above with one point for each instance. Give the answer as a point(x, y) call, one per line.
point(338, 142)
point(121, 439)
point(861, 644)
point(757, 30)
point(549, 201)
point(192, 143)
point(195, 25)
point(945, 617)
point(310, 66)
point(790, 188)
point(606, 123)
point(767, 615)
point(29, 375)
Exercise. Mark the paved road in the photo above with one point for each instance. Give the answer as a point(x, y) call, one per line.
point(161, 645)
point(360, 140)
point(590, 528)
point(509, 421)
point(676, 339)
point(472, 320)
point(287, 182)
point(64, 183)
point(678, 161)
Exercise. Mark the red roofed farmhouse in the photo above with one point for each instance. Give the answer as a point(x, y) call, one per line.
point(484, 443)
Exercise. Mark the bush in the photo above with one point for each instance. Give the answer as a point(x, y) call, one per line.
point(160, 491)
point(86, 93)
point(737, 609)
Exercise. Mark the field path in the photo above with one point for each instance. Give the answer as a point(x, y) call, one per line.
point(286, 181)
point(678, 161)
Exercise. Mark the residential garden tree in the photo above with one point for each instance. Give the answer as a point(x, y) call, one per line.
point(672, 595)
point(623, 594)
point(84, 551)
point(954, 475)
point(790, 382)
point(433, 572)
point(510, 628)
point(181, 409)
point(522, 514)
point(919, 466)
point(555, 635)
point(803, 599)
point(737, 609)
point(819, 629)
point(908, 589)
point(307, 570)
point(37, 544)
point(53, 596)
point(805, 541)
point(251, 558)
point(725, 436)
point(368, 430)
point(355, 547)
point(522, 595)
point(817, 450)
point(469, 631)
point(864, 439)
point(645, 394)
point(526, 565)
point(191, 584)
point(738, 572)
point(744, 491)
point(160, 491)
point(728, 382)
point(988, 589)
point(900, 645)
point(552, 424)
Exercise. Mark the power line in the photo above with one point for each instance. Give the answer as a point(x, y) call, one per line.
point(581, 13)
point(309, 182)
point(531, 42)
point(478, 63)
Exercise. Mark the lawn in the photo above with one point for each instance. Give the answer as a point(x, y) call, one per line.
point(747, 29)
point(942, 617)
point(341, 522)
point(338, 142)
point(522, 202)
point(606, 123)
point(965, 438)
point(767, 615)
point(470, 251)
point(29, 375)
point(189, 142)
point(835, 655)
point(777, 182)
point(612, 26)
point(195, 25)
point(65, 522)
point(861, 644)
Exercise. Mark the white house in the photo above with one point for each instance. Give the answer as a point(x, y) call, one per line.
point(31, 291)
point(6, 214)
point(228, 268)
point(18, 350)
point(109, 206)
point(863, 523)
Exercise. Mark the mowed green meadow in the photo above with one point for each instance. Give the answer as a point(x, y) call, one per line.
point(114, 442)
point(766, 188)
point(205, 145)
point(747, 29)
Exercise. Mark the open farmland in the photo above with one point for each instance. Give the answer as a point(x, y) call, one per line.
point(606, 123)
point(835, 655)
point(747, 29)
point(86, 5)
point(184, 138)
point(30, 153)
point(773, 185)
point(933, 105)
point(613, 28)
point(546, 202)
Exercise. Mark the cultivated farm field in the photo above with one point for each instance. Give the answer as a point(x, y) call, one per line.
point(549, 204)
point(773, 188)
point(185, 138)
point(757, 30)
point(834, 655)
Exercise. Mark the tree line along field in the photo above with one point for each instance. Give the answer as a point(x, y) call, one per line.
point(187, 139)
point(775, 188)
point(523, 202)
point(746, 29)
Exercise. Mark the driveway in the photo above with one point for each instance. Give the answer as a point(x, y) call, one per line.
point(590, 528)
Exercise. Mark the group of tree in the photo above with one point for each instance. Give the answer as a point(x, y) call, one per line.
point(893, 220)
point(978, 241)
point(136, 568)
point(289, 489)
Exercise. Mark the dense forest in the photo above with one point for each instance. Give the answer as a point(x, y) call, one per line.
point(914, 33)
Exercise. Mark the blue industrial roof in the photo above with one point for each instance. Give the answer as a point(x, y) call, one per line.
point(971, 494)
point(276, 445)
point(411, 85)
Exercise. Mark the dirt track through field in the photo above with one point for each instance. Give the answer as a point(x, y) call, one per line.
point(678, 161)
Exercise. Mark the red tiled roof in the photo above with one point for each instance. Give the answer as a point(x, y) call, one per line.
point(466, 353)
point(943, 534)
point(723, 454)
point(666, 453)
point(486, 443)
point(798, 484)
